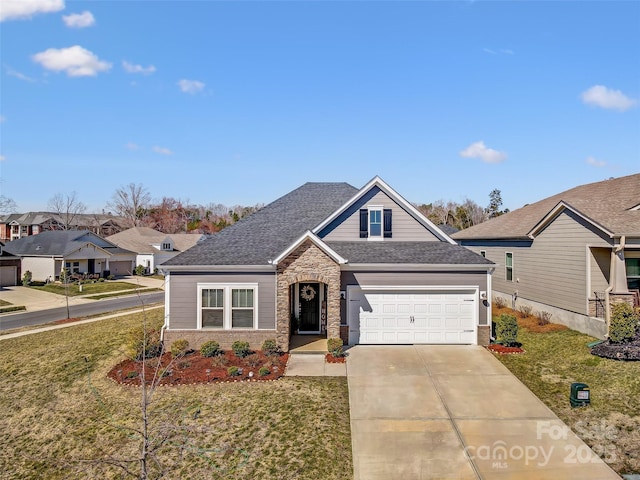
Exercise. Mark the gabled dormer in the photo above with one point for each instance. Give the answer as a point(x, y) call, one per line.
point(379, 213)
point(166, 245)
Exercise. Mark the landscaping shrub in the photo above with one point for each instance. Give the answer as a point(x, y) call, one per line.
point(624, 323)
point(233, 371)
point(100, 280)
point(499, 302)
point(264, 371)
point(544, 318)
point(270, 347)
point(180, 347)
point(139, 270)
point(254, 360)
point(240, 348)
point(144, 345)
point(26, 278)
point(507, 330)
point(525, 311)
point(111, 277)
point(210, 349)
point(219, 361)
point(334, 345)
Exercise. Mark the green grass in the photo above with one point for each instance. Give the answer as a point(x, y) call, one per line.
point(4, 303)
point(110, 295)
point(73, 289)
point(611, 425)
point(13, 308)
point(62, 418)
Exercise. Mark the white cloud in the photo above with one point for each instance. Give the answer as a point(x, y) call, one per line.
point(3, 119)
point(75, 61)
point(190, 86)
point(13, 73)
point(132, 68)
point(21, 9)
point(603, 97)
point(162, 151)
point(595, 162)
point(132, 146)
point(502, 51)
point(79, 20)
point(481, 151)
point(2, 158)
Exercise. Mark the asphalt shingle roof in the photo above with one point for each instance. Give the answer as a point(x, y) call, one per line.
point(141, 239)
point(263, 235)
point(430, 253)
point(609, 203)
point(57, 242)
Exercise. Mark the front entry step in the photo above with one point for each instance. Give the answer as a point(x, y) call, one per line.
point(308, 344)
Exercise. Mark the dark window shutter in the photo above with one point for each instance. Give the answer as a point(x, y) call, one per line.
point(364, 223)
point(387, 223)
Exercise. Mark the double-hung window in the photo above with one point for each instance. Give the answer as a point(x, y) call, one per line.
point(227, 306)
point(508, 262)
point(375, 223)
point(633, 273)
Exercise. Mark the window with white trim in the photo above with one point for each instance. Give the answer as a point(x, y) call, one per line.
point(375, 222)
point(166, 246)
point(508, 262)
point(227, 306)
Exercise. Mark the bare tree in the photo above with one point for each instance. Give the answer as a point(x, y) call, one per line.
point(67, 207)
point(7, 205)
point(131, 202)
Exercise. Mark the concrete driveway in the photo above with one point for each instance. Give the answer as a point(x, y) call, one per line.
point(435, 412)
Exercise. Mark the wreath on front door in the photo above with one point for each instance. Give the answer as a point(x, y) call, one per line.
point(308, 293)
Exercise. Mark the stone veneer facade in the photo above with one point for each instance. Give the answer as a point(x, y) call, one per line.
point(307, 263)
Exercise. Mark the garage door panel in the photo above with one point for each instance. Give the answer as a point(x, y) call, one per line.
point(410, 317)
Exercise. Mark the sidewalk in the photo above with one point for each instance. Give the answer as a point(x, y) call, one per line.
point(34, 300)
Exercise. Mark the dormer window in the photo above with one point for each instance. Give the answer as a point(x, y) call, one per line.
point(166, 246)
point(375, 223)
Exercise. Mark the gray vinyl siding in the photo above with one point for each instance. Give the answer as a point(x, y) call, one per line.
point(553, 269)
point(183, 300)
point(449, 279)
point(600, 260)
point(404, 226)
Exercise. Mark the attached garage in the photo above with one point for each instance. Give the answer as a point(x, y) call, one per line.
point(435, 316)
point(8, 276)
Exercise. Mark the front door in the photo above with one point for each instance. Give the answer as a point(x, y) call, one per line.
point(91, 266)
point(309, 295)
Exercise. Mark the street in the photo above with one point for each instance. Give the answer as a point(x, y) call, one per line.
point(25, 319)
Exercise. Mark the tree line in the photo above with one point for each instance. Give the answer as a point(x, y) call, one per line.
point(134, 205)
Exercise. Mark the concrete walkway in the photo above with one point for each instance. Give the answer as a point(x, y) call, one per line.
point(313, 365)
point(427, 412)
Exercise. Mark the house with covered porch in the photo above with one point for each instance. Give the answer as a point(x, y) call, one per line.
point(572, 254)
point(333, 260)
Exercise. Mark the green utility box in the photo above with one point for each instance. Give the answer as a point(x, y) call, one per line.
point(580, 395)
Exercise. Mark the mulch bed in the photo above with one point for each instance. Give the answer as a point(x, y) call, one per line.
point(194, 368)
point(619, 351)
point(67, 320)
point(497, 348)
point(331, 359)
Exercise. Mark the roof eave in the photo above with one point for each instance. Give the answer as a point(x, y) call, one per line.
point(308, 235)
point(430, 267)
point(216, 268)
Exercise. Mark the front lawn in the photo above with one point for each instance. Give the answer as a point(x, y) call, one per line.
point(63, 418)
point(73, 289)
point(611, 425)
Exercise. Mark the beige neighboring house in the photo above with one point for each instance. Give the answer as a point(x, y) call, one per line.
point(79, 251)
point(153, 247)
point(571, 254)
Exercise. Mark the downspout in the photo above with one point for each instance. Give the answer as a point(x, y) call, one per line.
point(607, 298)
point(167, 276)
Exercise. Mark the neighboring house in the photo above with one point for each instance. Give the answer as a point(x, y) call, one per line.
point(153, 247)
point(329, 259)
point(571, 254)
point(9, 268)
point(20, 225)
point(79, 251)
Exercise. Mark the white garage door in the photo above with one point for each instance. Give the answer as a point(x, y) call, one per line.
point(388, 317)
point(8, 276)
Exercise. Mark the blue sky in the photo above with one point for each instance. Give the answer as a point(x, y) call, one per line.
point(240, 102)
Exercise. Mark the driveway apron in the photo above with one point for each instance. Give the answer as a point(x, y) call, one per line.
point(436, 412)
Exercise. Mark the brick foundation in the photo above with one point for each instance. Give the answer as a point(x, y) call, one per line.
point(484, 335)
point(224, 337)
